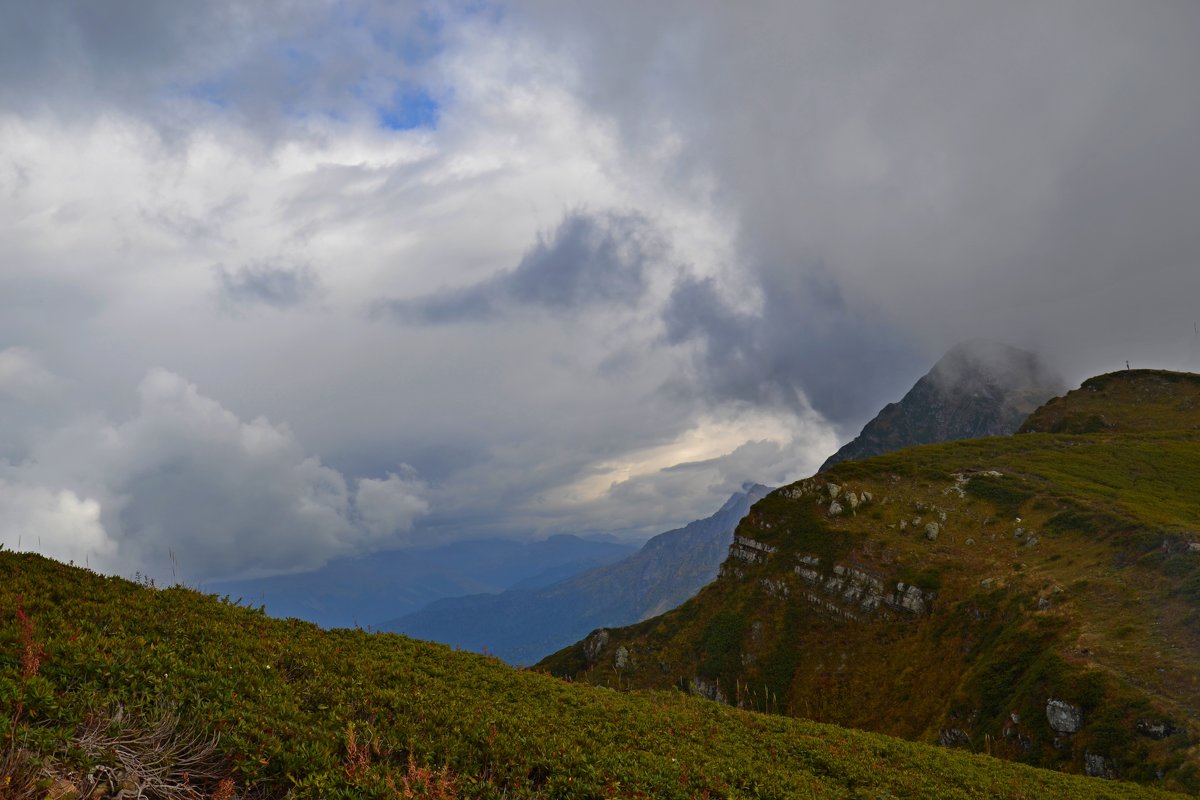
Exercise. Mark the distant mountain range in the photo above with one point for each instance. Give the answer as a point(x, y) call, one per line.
point(978, 388)
point(359, 591)
point(523, 625)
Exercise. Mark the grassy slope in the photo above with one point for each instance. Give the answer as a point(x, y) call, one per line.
point(1102, 611)
point(351, 714)
point(1130, 401)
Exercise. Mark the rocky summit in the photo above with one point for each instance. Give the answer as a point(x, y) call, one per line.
point(978, 388)
point(1033, 596)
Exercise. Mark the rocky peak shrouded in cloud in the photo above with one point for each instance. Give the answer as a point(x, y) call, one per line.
point(980, 366)
point(978, 388)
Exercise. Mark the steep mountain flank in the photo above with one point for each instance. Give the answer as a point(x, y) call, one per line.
point(1036, 597)
point(523, 625)
point(978, 388)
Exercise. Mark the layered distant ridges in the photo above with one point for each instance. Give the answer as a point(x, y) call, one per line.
point(523, 625)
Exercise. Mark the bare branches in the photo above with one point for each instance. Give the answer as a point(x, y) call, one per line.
point(159, 759)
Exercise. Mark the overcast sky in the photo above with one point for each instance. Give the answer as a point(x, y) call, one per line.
point(283, 281)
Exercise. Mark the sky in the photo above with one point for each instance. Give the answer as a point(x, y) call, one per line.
point(285, 281)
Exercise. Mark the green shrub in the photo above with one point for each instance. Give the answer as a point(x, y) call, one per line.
point(1006, 494)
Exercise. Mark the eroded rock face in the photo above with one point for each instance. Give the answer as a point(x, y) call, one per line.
point(776, 588)
point(851, 591)
point(1097, 766)
point(707, 688)
point(954, 737)
point(1063, 717)
point(594, 644)
point(621, 659)
point(1155, 729)
point(750, 550)
point(911, 598)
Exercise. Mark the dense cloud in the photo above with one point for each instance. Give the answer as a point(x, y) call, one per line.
point(444, 269)
point(589, 259)
point(187, 485)
point(911, 175)
point(21, 376)
point(265, 284)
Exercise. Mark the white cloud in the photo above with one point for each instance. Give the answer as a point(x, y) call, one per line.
point(390, 505)
point(59, 524)
point(131, 222)
point(185, 484)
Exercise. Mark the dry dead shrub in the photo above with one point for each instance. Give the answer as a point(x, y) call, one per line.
point(358, 756)
point(155, 760)
point(424, 783)
point(19, 774)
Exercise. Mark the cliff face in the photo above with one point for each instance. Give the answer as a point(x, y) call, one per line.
point(978, 388)
point(523, 625)
point(1033, 596)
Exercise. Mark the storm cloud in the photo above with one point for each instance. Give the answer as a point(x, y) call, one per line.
point(923, 173)
point(274, 285)
point(589, 259)
point(283, 282)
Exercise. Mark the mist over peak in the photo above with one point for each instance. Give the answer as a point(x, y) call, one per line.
point(978, 388)
point(980, 364)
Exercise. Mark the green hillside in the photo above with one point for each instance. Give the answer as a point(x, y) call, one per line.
point(1036, 597)
point(108, 686)
point(1123, 402)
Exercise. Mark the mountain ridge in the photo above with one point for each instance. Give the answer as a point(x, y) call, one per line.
point(1031, 595)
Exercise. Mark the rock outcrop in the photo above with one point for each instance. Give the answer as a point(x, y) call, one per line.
point(1063, 716)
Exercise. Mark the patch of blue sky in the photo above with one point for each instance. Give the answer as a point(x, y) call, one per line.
point(414, 107)
point(214, 92)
